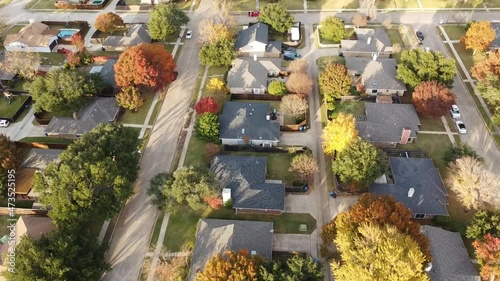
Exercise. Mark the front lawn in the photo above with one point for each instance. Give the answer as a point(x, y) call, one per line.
point(289, 4)
point(8, 110)
point(349, 107)
point(455, 32)
point(391, 4)
point(322, 62)
point(466, 56)
point(138, 117)
point(181, 230)
point(395, 36)
point(244, 5)
point(52, 59)
point(196, 155)
point(332, 4)
point(431, 124)
point(156, 229)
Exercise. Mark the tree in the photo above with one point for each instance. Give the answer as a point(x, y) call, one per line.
point(237, 265)
point(62, 89)
point(368, 8)
point(433, 99)
point(93, 177)
point(294, 105)
point(166, 19)
point(387, 24)
point(359, 165)
point(296, 267)
point(298, 66)
point(78, 41)
point(484, 222)
point(276, 16)
point(304, 165)
point(459, 151)
point(206, 104)
point(489, 66)
point(219, 54)
point(359, 20)
point(277, 88)
point(207, 127)
point(130, 98)
point(212, 30)
point(172, 269)
point(109, 23)
point(299, 83)
point(332, 29)
point(217, 86)
point(488, 253)
point(25, 64)
point(333, 83)
point(339, 133)
point(9, 160)
point(474, 185)
point(148, 65)
point(418, 65)
point(479, 36)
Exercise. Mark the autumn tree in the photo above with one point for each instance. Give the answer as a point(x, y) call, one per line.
point(368, 8)
point(211, 149)
point(148, 65)
point(479, 36)
point(206, 104)
point(483, 223)
point(294, 105)
point(78, 41)
point(220, 53)
point(359, 20)
point(296, 267)
point(109, 23)
point(304, 165)
point(488, 254)
point(298, 66)
point(166, 19)
point(277, 17)
point(215, 28)
point(172, 269)
point(9, 160)
point(130, 98)
point(487, 72)
point(433, 99)
point(217, 86)
point(207, 127)
point(332, 29)
point(458, 151)
point(299, 83)
point(333, 83)
point(339, 133)
point(25, 64)
point(489, 66)
point(277, 88)
point(474, 185)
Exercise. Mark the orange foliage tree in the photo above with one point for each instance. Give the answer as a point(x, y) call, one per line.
point(109, 22)
point(488, 252)
point(489, 66)
point(149, 65)
point(433, 99)
point(235, 266)
point(479, 36)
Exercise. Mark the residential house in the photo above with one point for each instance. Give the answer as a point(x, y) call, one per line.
point(107, 72)
point(5, 76)
point(253, 41)
point(217, 236)
point(101, 110)
point(450, 259)
point(378, 75)
point(418, 185)
point(370, 42)
point(34, 37)
point(242, 180)
point(386, 125)
point(250, 76)
point(137, 34)
point(495, 44)
point(249, 123)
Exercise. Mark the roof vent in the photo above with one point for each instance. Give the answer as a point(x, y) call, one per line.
point(268, 116)
point(253, 253)
point(255, 57)
point(369, 40)
point(243, 130)
point(411, 191)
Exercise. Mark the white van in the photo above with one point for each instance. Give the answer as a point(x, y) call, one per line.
point(295, 32)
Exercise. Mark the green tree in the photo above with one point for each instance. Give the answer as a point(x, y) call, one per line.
point(220, 53)
point(130, 98)
point(359, 165)
point(207, 127)
point(166, 19)
point(334, 82)
point(276, 16)
point(484, 222)
point(296, 267)
point(93, 177)
point(418, 65)
point(459, 151)
point(277, 88)
point(9, 159)
point(186, 186)
point(332, 29)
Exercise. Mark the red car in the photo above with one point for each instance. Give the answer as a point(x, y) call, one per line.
point(254, 14)
point(63, 51)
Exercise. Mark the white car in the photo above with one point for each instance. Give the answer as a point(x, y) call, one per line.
point(189, 34)
point(4, 123)
point(461, 127)
point(455, 112)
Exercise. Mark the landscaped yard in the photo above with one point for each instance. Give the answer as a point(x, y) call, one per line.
point(332, 4)
point(52, 58)
point(181, 230)
point(138, 117)
point(322, 62)
point(350, 107)
point(8, 110)
point(196, 155)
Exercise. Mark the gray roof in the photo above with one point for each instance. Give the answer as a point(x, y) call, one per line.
point(216, 236)
point(137, 34)
point(257, 32)
point(39, 158)
point(101, 110)
point(496, 42)
point(420, 174)
point(450, 259)
point(378, 74)
point(385, 122)
point(274, 47)
point(248, 73)
point(248, 118)
point(108, 72)
point(246, 177)
point(380, 41)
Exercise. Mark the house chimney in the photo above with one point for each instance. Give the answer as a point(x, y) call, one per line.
point(405, 135)
point(369, 40)
point(255, 57)
point(411, 191)
point(226, 195)
point(375, 56)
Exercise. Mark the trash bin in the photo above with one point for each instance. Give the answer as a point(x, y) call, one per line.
point(333, 195)
point(305, 188)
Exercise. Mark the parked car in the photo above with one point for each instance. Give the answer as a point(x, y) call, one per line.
point(254, 14)
point(461, 127)
point(4, 123)
point(189, 34)
point(455, 112)
point(63, 51)
point(175, 75)
point(295, 32)
point(291, 54)
point(420, 36)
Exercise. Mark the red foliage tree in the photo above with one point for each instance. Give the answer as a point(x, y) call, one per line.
point(207, 104)
point(74, 59)
point(214, 202)
point(489, 253)
point(433, 99)
point(211, 149)
point(149, 65)
point(78, 41)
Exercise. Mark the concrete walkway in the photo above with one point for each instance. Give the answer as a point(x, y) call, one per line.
point(159, 247)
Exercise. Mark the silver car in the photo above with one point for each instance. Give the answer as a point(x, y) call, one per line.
point(461, 127)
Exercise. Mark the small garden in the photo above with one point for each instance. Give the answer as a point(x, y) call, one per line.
point(10, 106)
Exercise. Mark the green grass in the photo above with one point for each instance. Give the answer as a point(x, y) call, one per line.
point(455, 32)
point(466, 56)
point(115, 54)
point(156, 230)
point(431, 124)
point(8, 110)
point(138, 117)
point(391, 4)
point(349, 107)
point(4, 3)
point(40, 4)
point(395, 36)
point(183, 5)
point(322, 62)
point(4, 222)
point(197, 155)
point(47, 140)
point(21, 85)
point(218, 72)
point(52, 58)
point(289, 4)
point(155, 112)
point(243, 5)
point(181, 230)
point(332, 4)
point(24, 114)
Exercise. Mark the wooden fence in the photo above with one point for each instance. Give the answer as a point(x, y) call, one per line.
point(19, 211)
point(255, 97)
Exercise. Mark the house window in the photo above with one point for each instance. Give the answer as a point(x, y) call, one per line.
point(374, 91)
point(419, 216)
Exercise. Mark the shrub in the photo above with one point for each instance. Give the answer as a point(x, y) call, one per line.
point(277, 88)
point(207, 127)
point(206, 104)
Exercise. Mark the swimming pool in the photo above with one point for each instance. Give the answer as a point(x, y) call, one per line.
point(66, 33)
point(97, 2)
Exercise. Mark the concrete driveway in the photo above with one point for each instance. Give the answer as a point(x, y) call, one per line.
point(305, 243)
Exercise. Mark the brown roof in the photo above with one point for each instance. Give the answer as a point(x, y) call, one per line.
point(24, 180)
point(33, 226)
point(35, 34)
point(34, 28)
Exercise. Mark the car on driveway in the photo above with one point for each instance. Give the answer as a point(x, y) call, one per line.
point(291, 54)
point(455, 112)
point(420, 36)
point(4, 123)
point(189, 34)
point(461, 127)
point(254, 14)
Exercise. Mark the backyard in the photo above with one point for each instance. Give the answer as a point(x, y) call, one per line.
point(8, 110)
point(322, 62)
point(355, 108)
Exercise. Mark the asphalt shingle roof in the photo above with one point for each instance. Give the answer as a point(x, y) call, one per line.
point(421, 175)
point(378, 74)
point(450, 259)
point(108, 72)
point(250, 73)
point(246, 177)
point(257, 32)
point(35, 34)
point(380, 41)
point(496, 41)
point(39, 158)
point(136, 35)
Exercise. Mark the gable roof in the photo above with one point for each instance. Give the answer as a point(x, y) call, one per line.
point(378, 74)
point(450, 259)
point(380, 41)
point(108, 72)
point(35, 34)
point(216, 236)
point(250, 73)
point(421, 175)
point(39, 158)
point(137, 34)
point(257, 32)
point(246, 177)
point(33, 226)
point(247, 118)
point(101, 110)
point(385, 122)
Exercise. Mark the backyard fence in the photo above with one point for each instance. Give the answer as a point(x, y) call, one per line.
point(255, 97)
point(26, 104)
point(23, 144)
point(275, 149)
point(293, 128)
point(19, 211)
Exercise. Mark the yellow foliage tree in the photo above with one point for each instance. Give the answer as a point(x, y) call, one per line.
point(479, 36)
point(217, 86)
point(234, 266)
point(339, 133)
